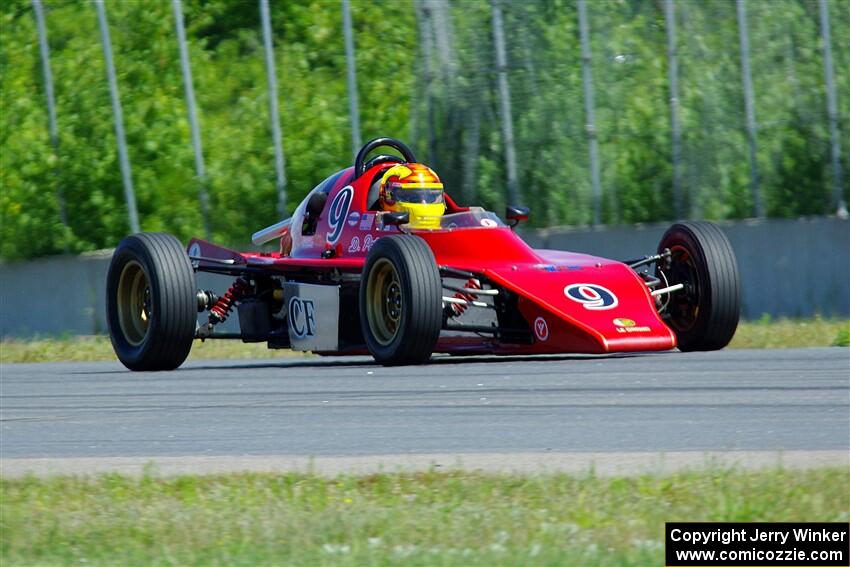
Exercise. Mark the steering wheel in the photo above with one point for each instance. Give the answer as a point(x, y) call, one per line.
point(360, 165)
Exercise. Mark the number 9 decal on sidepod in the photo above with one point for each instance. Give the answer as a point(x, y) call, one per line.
point(338, 213)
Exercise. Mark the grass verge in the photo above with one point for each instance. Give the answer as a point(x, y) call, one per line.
point(98, 348)
point(765, 333)
point(792, 333)
point(391, 519)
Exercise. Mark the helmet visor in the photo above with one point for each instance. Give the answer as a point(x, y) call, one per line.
point(418, 196)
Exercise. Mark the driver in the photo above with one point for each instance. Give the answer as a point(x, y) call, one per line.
point(415, 189)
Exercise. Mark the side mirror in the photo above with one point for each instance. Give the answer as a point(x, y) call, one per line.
point(515, 214)
point(395, 219)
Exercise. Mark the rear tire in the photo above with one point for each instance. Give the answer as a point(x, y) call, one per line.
point(151, 302)
point(401, 310)
point(704, 315)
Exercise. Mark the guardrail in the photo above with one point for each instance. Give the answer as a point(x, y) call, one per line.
point(789, 268)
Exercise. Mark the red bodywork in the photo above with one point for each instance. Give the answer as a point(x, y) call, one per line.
point(540, 278)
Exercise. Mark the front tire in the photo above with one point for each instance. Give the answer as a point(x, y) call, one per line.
point(151, 302)
point(401, 311)
point(705, 313)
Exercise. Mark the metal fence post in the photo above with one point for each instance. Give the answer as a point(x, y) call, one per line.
point(426, 41)
point(505, 103)
point(53, 129)
point(673, 75)
point(279, 164)
point(123, 158)
point(193, 117)
point(593, 144)
point(443, 38)
point(474, 92)
point(749, 104)
point(353, 105)
point(832, 112)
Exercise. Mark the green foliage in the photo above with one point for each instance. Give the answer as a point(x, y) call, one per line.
point(460, 134)
point(226, 53)
point(842, 339)
point(630, 77)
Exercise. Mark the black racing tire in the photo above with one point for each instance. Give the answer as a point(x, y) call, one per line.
point(151, 302)
point(705, 314)
point(401, 310)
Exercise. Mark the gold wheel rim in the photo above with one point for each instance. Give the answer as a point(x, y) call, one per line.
point(384, 301)
point(134, 303)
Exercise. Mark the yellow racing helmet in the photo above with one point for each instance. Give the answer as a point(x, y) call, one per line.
point(414, 188)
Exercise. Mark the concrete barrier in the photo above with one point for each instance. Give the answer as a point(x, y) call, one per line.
point(789, 267)
point(67, 295)
point(54, 295)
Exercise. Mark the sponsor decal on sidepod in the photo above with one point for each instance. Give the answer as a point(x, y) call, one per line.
point(302, 317)
point(628, 326)
point(541, 329)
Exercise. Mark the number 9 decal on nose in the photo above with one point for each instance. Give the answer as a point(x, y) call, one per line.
point(338, 213)
point(591, 296)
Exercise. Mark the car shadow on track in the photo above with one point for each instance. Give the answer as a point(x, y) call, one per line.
point(367, 362)
point(320, 362)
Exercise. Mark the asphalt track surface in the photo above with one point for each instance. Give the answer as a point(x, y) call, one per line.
point(348, 414)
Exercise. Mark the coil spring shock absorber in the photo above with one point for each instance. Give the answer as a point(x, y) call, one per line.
point(222, 308)
point(458, 308)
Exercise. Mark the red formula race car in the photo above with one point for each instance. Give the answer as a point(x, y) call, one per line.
point(351, 277)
